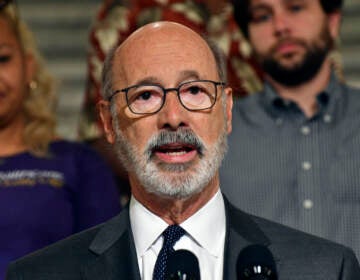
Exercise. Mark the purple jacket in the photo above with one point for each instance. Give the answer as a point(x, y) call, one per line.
point(43, 200)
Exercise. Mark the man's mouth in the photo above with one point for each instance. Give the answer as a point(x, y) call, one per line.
point(286, 48)
point(175, 152)
point(175, 147)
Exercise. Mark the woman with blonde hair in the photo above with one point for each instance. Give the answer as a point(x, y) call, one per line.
point(49, 188)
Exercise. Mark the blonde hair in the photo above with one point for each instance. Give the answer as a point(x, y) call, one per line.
point(40, 103)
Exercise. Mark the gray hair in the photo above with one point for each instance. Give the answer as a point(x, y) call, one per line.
point(107, 71)
point(220, 58)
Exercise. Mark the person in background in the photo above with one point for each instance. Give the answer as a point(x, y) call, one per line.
point(166, 108)
point(49, 188)
point(299, 157)
point(117, 19)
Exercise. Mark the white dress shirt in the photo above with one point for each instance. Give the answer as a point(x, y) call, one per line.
point(205, 237)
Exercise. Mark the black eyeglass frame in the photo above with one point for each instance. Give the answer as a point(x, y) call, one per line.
point(165, 91)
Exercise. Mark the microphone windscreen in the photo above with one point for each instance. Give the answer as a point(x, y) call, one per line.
point(182, 265)
point(256, 262)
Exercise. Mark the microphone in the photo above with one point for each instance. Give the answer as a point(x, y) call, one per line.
point(182, 265)
point(256, 262)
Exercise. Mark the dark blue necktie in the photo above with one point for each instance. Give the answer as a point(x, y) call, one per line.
point(171, 235)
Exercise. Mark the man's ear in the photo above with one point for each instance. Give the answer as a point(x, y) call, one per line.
point(103, 107)
point(334, 23)
point(229, 106)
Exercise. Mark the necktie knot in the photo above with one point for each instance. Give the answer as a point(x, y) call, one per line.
point(171, 235)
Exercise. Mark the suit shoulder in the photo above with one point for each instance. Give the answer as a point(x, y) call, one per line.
point(288, 237)
point(65, 259)
point(292, 249)
point(67, 255)
point(82, 254)
point(62, 253)
point(282, 236)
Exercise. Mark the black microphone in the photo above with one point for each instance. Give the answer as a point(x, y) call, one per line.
point(256, 262)
point(182, 265)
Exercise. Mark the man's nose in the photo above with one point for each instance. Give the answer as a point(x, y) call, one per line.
point(172, 115)
point(281, 24)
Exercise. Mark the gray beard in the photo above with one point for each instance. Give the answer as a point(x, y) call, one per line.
point(172, 180)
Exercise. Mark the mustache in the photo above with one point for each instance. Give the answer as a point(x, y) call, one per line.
point(183, 136)
point(286, 41)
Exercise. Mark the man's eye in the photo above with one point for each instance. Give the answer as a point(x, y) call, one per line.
point(146, 95)
point(296, 8)
point(194, 90)
point(260, 17)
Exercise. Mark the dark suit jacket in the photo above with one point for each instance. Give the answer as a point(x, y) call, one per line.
point(108, 252)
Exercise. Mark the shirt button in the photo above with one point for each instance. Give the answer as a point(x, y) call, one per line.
point(306, 165)
point(308, 204)
point(305, 130)
point(279, 121)
point(327, 118)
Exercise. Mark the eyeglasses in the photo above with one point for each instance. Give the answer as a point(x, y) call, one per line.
point(149, 98)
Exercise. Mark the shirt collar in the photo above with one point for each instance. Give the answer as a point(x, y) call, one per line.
point(145, 225)
point(208, 224)
point(327, 99)
point(205, 226)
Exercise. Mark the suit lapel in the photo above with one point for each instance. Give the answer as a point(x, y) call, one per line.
point(115, 250)
point(241, 232)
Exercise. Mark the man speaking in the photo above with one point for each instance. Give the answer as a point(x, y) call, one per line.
point(167, 110)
